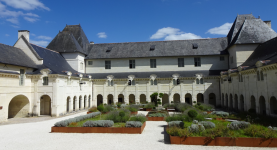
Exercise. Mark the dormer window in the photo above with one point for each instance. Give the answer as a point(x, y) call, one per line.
point(131, 82)
point(176, 81)
point(199, 81)
point(109, 49)
point(194, 46)
point(152, 47)
point(110, 82)
point(154, 82)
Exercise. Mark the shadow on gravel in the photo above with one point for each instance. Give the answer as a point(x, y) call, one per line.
point(166, 139)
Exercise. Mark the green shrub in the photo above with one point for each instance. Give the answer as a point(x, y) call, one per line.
point(259, 131)
point(252, 110)
point(176, 131)
point(192, 113)
point(119, 105)
point(123, 106)
point(93, 109)
point(133, 124)
point(220, 113)
point(149, 105)
point(122, 114)
point(201, 107)
point(176, 117)
point(157, 115)
point(99, 123)
point(198, 103)
point(133, 108)
point(181, 107)
point(236, 125)
point(66, 122)
point(107, 108)
point(100, 108)
point(179, 124)
point(140, 117)
point(196, 128)
point(207, 124)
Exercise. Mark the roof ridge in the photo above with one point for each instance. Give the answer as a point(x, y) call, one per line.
point(10, 46)
point(44, 48)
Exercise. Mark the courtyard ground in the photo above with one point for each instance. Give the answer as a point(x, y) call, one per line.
point(36, 135)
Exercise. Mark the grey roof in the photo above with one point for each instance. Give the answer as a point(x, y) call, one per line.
point(71, 39)
point(215, 46)
point(237, 25)
point(164, 74)
point(10, 72)
point(53, 60)
point(15, 56)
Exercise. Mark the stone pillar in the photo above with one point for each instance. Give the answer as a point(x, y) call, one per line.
point(70, 104)
point(137, 94)
point(115, 97)
point(85, 102)
point(94, 96)
point(77, 104)
point(148, 92)
point(182, 94)
point(105, 96)
point(54, 100)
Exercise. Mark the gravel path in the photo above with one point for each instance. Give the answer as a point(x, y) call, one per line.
point(36, 135)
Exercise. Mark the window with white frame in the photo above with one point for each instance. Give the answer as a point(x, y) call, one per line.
point(45, 80)
point(132, 64)
point(197, 62)
point(21, 77)
point(153, 63)
point(107, 64)
point(181, 62)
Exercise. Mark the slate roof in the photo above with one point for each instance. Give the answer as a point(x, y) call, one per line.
point(15, 56)
point(164, 74)
point(71, 39)
point(215, 46)
point(53, 60)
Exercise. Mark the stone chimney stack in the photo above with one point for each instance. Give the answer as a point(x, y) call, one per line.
point(268, 23)
point(25, 33)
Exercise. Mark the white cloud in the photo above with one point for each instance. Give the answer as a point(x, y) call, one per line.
point(40, 43)
point(31, 19)
point(32, 34)
point(222, 30)
point(7, 35)
point(26, 4)
point(13, 20)
point(102, 35)
point(44, 37)
point(170, 33)
point(15, 26)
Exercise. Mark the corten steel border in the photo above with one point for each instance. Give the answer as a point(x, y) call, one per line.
point(224, 141)
point(122, 130)
point(134, 113)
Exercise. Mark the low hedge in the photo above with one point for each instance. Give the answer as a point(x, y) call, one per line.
point(99, 123)
point(66, 122)
point(133, 124)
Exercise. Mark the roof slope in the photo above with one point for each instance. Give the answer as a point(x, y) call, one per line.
point(237, 25)
point(214, 46)
point(53, 61)
point(71, 39)
point(265, 51)
point(15, 56)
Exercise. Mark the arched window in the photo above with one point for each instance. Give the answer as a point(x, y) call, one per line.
point(262, 76)
point(197, 81)
point(201, 81)
point(45, 80)
point(258, 75)
point(154, 82)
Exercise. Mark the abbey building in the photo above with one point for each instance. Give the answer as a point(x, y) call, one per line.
point(238, 71)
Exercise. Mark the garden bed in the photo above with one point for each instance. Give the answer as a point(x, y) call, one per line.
point(123, 130)
point(134, 113)
point(224, 141)
point(157, 115)
point(155, 118)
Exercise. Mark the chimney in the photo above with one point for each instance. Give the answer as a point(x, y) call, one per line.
point(25, 33)
point(268, 23)
point(91, 42)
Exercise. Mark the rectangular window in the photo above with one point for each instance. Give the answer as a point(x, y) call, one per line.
point(21, 80)
point(90, 63)
point(107, 64)
point(221, 58)
point(154, 82)
point(153, 63)
point(181, 62)
point(45, 80)
point(132, 64)
point(197, 62)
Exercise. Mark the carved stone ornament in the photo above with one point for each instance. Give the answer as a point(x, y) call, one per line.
point(153, 77)
point(110, 77)
point(131, 77)
point(175, 76)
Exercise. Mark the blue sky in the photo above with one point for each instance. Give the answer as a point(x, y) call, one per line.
point(112, 21)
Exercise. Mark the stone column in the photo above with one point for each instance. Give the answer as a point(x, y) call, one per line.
point(94, 96)
point(137, 94)
point(70, 104)
point(148, 92)
point(182, 94)
point(54, 100)
point(115, 97)
point(105, 96)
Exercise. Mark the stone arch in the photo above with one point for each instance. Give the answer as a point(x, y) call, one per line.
point(200, 98)
point(212, 99)
point(110, 99)
point(19, 107)
point(142, 98)
point(176, 98)
point(121, 98)
point(80, 102)
point(99, 99)
point(85, 103)
point(262, 105)
point(241, 103)
point(226, 102)
point(67, 103)
point(236, 102)
point(273, 105)
point(188, 98)
point(165, 99)
point(231, 101)
point(253, 103)
point(132, 99)
point(45, 105)
point(74, 103)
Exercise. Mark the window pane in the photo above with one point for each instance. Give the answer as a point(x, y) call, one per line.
point(152, 83)
point(153, 63)
point(133, 82)
point(155, 82)
point(181, 62)
point(107, 64)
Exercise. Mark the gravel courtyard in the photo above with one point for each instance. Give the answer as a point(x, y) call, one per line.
point(36, 135)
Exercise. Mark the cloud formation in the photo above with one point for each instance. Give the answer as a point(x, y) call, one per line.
point(26, 4)
point(30, 19)
point(102, 35)
point(7, 35)
point(170, 33)
point(222, 30)
point(44, 37)
point(41, 40)
point(40, 43)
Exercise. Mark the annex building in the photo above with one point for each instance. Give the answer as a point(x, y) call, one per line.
point(238, 71)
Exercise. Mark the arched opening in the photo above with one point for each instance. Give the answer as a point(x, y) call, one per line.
point(222, 101)
point(241, 103)
point(80, 102)
point(99, 100)
point(45, 105)
point(262, 105)
point(142, 99)
point(253, 103)
point(231, 101)
point(236, 102)
point(74, 103)
point(226, 102)
point(176, 98)
point(110, 99)
point(188, 98)
point(89, 99)
point(212, 99)
point(200, 98)
point(165, 99)
point(273, 105)
point(121, 98)
point(85, 101)
point(132, 99)
point(18, 107)
point(67, 103)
